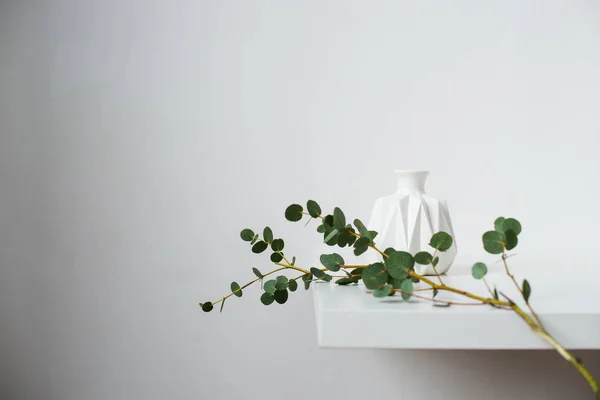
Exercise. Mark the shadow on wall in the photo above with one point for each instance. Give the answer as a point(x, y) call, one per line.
point(534, 374)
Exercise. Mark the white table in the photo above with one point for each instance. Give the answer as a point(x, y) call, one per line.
point(348, 317)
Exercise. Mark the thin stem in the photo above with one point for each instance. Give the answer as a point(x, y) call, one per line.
point(438, 300)
point(487, 286)
point(246, 285)
point(541, 332)
point(512, 277)
point(290, 266)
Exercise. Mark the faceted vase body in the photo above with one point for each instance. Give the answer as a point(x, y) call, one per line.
point(407, 219)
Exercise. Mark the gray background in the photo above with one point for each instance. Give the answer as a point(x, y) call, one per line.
point(138, 138)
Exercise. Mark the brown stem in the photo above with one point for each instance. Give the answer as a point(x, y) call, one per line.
point(512, 277)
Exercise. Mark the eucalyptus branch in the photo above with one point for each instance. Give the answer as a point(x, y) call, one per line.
point(395, 273)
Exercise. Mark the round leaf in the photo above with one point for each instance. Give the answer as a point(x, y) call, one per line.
point(292, 285)
point(269, 286)
point(511, 239)
point(332, 261)
point(493, 242)
point(207, 307)
point(384, 291)
point(423, 258)
point(399, 263)
point(281, 282)
point(276, 257)
point(247, 235)
point(259, 247)
point(267, 298)
point(498, 224)
point(235, 289)
point(435, 261)
point(441, 241)
point(281, 296)
point(277, 245)
point(374, 276)
point(313, 208)
point(321, 228)
point(407, 289)
point(479, 270)
point(268, 235)
point(512, 224)
point(294, 212)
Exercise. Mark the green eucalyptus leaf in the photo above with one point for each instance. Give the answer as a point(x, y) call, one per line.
point(362, 229)
point(247, 235)
point(344, 238)
point(222, 305)
point(321, 228)
point(332, 261)
point(374, 276)
point(294, 260)
point(269, 286)
point(479, 270)
point(435, 261)
point(498, 223)
point(235, 286)
point(313, 208)
point(496, 293)
point(444, 305)
point(346, 281)
point(257, 273)
point(512, 224)
point(493, 242)
point(207, 307)
point(331, 235)
point(395, 282)
point(371, 235)
point(399, 263)
point(294, 212)
point(277, 245)
point(435, 293)
point(512, 240)
point(328, 221)
point(383, 291)
point(259, 247)
point(339, 219)
point(281, 282)
point(267, 298)
point(361, 245)
point(276, 257)
point(407, 289)
point(357, 271)
point(526, 290)
point(307, 279)
point(317, 273)
point(327, 278)
point(293, 285)
point(441, 241)
point(281, 296)
point(423, 258)
point(268, 235)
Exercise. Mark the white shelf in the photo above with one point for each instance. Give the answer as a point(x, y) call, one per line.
point(348, 317)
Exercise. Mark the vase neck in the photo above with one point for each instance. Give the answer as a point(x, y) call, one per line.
point(411, 181)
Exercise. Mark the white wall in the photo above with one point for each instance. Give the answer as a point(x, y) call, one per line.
point(138, 138)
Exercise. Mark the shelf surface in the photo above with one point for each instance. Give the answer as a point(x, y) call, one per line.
point(348, 317)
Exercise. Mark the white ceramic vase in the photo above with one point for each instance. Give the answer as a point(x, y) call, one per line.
point(407, 219)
